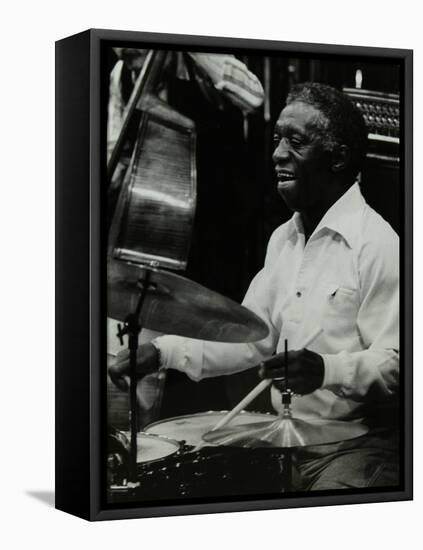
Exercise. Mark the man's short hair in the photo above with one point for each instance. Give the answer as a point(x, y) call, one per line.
point(341, 123)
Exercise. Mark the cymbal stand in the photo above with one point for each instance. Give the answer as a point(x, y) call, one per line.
point(286, 402)
point(287, 452)
point(132, 328)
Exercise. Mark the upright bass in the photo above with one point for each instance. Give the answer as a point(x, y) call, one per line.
point(153, 219)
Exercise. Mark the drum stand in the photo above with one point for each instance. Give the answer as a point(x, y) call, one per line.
point(287, 413)
point(132, 328)
point(287, 451)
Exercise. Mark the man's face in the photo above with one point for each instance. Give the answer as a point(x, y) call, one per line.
point(302, 166)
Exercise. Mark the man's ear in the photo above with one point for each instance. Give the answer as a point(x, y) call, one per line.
point(341, 157)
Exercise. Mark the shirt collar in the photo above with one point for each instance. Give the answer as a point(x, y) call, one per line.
point(342, 216)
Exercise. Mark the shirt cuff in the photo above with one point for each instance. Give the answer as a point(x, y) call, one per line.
point(182, 354)
point(338, 374)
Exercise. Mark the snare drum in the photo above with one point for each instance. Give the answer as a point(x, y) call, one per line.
point(213, 471)
point(171, 469)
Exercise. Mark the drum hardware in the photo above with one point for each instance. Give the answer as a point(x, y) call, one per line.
point(260, 387)
point(117, 456)
point(132, 328)
point(286, 432)
point(168, 467)
point(161, 299)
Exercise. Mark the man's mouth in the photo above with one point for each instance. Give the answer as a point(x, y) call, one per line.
point(285, 177)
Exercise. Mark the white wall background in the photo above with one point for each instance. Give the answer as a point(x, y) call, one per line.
point(28, 32)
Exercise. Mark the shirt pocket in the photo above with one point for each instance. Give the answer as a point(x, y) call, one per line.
point(340, 312)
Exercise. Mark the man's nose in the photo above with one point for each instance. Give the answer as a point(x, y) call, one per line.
point(281, 152)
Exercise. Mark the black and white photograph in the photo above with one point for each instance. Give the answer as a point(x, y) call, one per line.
point(253, 230)
point(211, 299)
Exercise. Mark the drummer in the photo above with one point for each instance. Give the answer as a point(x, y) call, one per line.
point(333, 266)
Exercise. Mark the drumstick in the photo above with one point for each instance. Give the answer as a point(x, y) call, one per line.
point(257, 390)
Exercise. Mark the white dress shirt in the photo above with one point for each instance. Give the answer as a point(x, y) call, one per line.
point(345, 280)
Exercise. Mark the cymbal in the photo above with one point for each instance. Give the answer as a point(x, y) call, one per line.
point(176, 305)
point(286, 432)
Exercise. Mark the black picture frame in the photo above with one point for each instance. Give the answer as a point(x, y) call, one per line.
point(80, 265)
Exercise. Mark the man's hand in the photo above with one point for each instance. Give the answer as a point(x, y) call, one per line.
point(147, 362)
point(305, 370)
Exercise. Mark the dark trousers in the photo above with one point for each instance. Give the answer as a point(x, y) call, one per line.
point(368, 461)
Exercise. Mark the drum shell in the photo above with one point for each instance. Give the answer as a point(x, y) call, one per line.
point(212, 472)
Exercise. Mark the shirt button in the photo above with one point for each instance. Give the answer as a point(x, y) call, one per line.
point(299, 294)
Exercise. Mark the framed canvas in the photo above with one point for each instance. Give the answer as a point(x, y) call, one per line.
point(233, 274)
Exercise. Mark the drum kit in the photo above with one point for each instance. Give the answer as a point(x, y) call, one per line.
point(211, 453)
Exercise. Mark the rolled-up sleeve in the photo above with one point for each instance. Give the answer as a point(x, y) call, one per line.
point(232, 78)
